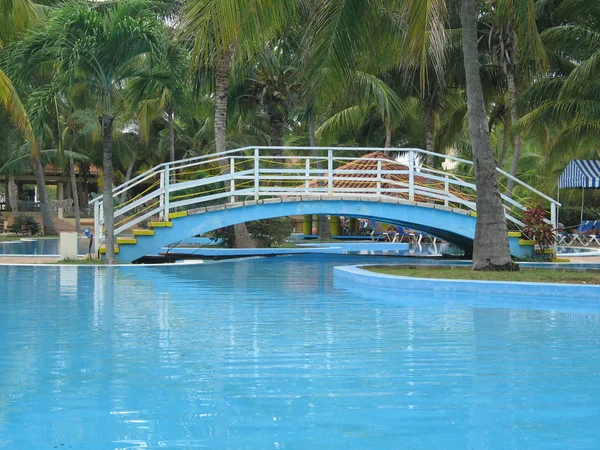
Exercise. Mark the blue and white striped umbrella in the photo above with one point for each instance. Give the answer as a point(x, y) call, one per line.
point(581, 174)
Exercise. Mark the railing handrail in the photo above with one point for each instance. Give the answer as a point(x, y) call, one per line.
point(200, 158)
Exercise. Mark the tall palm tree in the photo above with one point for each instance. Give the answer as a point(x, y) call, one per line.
point(490, 249)
point(515, 44)
point(103, 45)
point(226, 32)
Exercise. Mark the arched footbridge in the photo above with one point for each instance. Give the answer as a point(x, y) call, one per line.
point(173, 201)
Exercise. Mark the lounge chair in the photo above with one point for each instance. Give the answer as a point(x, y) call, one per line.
point(580, 234)
point(593, 238)
point(411, 236)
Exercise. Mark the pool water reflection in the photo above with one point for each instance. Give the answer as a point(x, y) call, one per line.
point(267, 353)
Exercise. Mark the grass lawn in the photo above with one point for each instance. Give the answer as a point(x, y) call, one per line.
point(465, 273)
point(78, 262)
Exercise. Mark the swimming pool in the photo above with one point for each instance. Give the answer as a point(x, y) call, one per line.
point(268, 353)
point(47, 246)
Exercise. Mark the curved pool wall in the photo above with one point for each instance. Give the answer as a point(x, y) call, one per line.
point(357, 275)
point(270, 353)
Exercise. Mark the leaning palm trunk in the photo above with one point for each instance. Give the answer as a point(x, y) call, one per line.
point(13, 194)
point(506, 128)
point(388, 139)
point(106, 123)
point(48, 223)
point(75, 195)
point(277, 129)
point(171, 133)
point(490, 250)
point(429, 136)
point(324, 227)
point(242, 237)
point(514, 115)
point(128, 174)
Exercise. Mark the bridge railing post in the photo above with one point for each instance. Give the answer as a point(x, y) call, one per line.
point(307, 174)
point(379, 177)
point(256, 174)
point(330, 171)
point(161, 197)
point(446, 190)
point(411, 175)
point(97, 231)
point(232, 184)
point(167, 178)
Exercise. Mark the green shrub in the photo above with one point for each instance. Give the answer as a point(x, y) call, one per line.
point(24, 225)
point(270, 232)
point(225, 236)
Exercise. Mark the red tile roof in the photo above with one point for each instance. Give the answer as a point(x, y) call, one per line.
point(368, 164)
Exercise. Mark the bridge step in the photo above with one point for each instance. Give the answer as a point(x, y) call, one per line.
point(143, 232)
point(126, 241)
point(526, 242)
point(160, 224)
point(175, 215)
point(103, 250)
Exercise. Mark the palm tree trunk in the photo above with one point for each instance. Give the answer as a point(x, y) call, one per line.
point(13, 195)
point(128, 174)
point(106, 123)
point(47, 220)
point(75, 195)
point(324, 227)
point(277, 129)
point(514, 115)
point(242, 237)
point(506, 128)
point(388, 139)
point(429, 133)
point(171, 133)
point(490, 249)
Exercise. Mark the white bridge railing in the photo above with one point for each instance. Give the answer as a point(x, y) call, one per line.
point(254, 173)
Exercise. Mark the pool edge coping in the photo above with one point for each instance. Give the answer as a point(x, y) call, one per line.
point(356, 274)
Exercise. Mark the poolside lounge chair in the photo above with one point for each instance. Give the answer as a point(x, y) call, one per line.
point(411, 236)
point(580, 234)
point(593, 238)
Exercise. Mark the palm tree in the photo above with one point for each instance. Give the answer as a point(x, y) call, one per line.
point(490, 249)
point(225, 33)
point(103, 46)
point(515, 44)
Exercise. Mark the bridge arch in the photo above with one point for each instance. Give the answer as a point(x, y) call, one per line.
point(453, 225)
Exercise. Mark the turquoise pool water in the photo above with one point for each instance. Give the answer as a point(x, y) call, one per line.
point(39, 247)
point(269, 353)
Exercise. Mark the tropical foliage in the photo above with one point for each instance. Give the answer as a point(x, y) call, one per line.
point(130, 84)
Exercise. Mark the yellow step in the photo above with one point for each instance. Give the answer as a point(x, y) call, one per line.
point(143, 232)
point(175, 215)
point(160, 224)
point(103, 250)
point(526, 242)
point(514, 234)
point(126, 241)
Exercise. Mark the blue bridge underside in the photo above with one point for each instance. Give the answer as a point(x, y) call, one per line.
point(452, 226)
